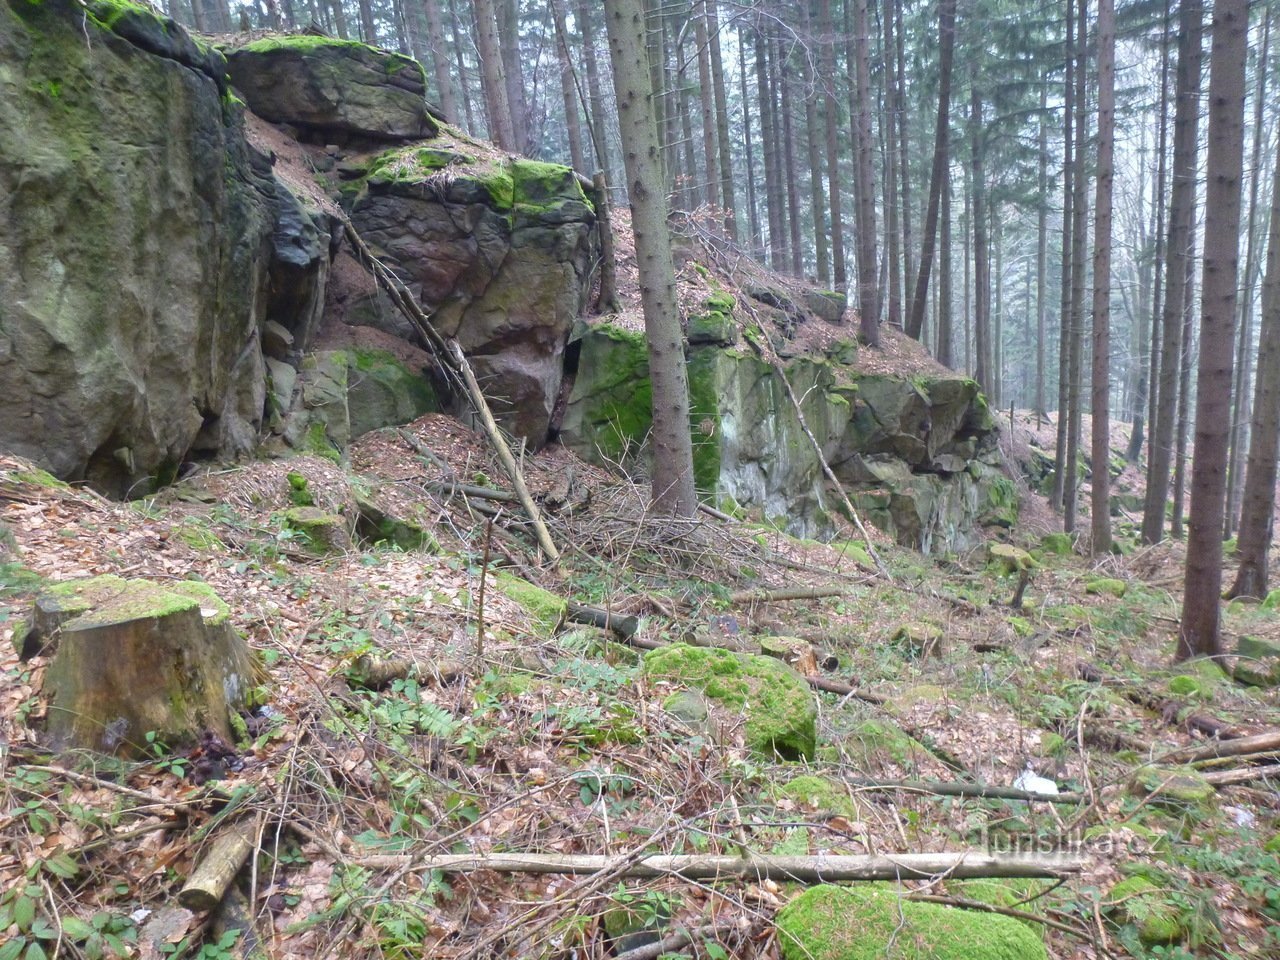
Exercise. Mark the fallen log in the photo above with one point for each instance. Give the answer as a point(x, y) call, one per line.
point(787, 593)
point(208, 883)
point(624, 626)
point(1228, 778)
point(1261, 743)
point(982, 791)
point(966, 864)
point(373, 673)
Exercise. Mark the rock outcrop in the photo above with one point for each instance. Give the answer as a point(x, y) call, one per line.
point(497, 250)
point(146, 245)
point(918, 457)
point(333, 90)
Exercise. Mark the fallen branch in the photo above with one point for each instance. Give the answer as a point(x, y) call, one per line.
point(983, 791)
point(1267, 742)
point(624, 626)
point(471, 490)
point(815, 869)
point(374, 673)
point(1228, 778)
point(786, 593)
point(209, 881)
point(504, 452)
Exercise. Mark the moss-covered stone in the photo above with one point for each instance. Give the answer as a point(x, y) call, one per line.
point(1257, 662)
point(880, 740)
point(780, 714)
point(1058, 544)
point(875, 922)
point(383, 392)
point(375, 525)
point(817, 793)
point(1106, 586)
point(1010, 559)
point(319, 530)
point(546, 610)
point(999, 893)
point(1178, 787)
point(1148, 907)
point(919, 639)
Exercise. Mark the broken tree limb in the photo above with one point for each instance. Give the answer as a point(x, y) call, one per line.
point(1227, 778)
point(449, 488)
point(422, 450)
point(624, 626)
point(982, 791)
point(787, 593)
point(808, 869)
point(208, 883)
point(1262, 743)
point(504, 452)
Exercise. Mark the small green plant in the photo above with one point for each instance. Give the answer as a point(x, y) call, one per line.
point(164, 760)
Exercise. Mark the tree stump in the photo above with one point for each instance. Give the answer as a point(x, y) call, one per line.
point(132, 657)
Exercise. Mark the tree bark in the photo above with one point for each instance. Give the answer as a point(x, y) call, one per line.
point(493, 78)
point(941, 138)
point(509, 45)
point(706, 101)
point(672, 480)
point(1100, 527)
point(568, 88)
point(981, 267)
point(1201, 611)
point(1181, 215)
point(791, 174)
point(465, 87)
point(753, 216)
point(945, 324)
point(596, 101)
point(868, 281)
point(830, 120)
point(724, 153)
point(893, 239)
point(768, 143)
point(817, 197)
point(1257, 509)
point(440, 60)
point(1058, 495)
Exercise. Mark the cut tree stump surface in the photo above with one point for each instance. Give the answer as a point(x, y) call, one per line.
point(132, 657)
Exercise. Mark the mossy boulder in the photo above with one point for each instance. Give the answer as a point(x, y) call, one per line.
point(714, 323)
point(812, 792)
point(317, 529)
point(382, 391)
point(499, 252)
point(133, 658)
point(1106, 587)
point(879, 740)
point(1009, 559)
point(919, 639)
point(779, 711)
point(378, 524)
point(826, 305)
point(1149, 907)
point(1177, 787)
point(546, 610)
point(1257, 662)
point(1057, 544)
point(875, 922)
point(999, 893)
point(335, 88)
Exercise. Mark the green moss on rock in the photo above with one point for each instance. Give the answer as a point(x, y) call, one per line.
point(1257, 662)
point(1174, 786)
point(1010, 559)
point(1147, 906)
point(817, 793)
point(780, 714)
point(1058, 544)
point(875, 923)
point(318, 529)
point(1106, 586)
point(546, 610)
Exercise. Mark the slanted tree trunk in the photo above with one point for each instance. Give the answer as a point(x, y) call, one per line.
point(1181, 215)
point(568, 88)
point(1100, 406)
point(1257, 508)
point(596, 101)
point(941, 139)
point(1201, 611)
point(673, 491)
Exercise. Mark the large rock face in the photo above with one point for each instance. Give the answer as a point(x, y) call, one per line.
point(142, 235)
point(335, 89)
point(917, 457)
point(498, 252)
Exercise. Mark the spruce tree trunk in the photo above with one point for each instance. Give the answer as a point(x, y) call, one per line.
point(768, 143)
point(831, 110)
point(463, 85)
point(440, 60)
point(865, 184)
point(946, 333)
point(599, 143)
point(1042, 253)
point(1244, 357)
point(727, 192)
point(1257, 512)
point(893, 305)
point(1079, 236)
point(941, 139)
point(673, 491)
point(904, 167)
point(1181, 215)
point(756, 240)
point(367, 29)
point(981, 268)
point(1058, 495)
point(568, 91)
point(1201, 609)
point(509, 45)
point(693, 183)
point(817, 197)
point(1101, 397)
point(711, 161)
point(791, 173)
point(493, 78)
point(1182, 424)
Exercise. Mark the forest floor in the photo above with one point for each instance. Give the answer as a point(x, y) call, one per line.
point(530, 734)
